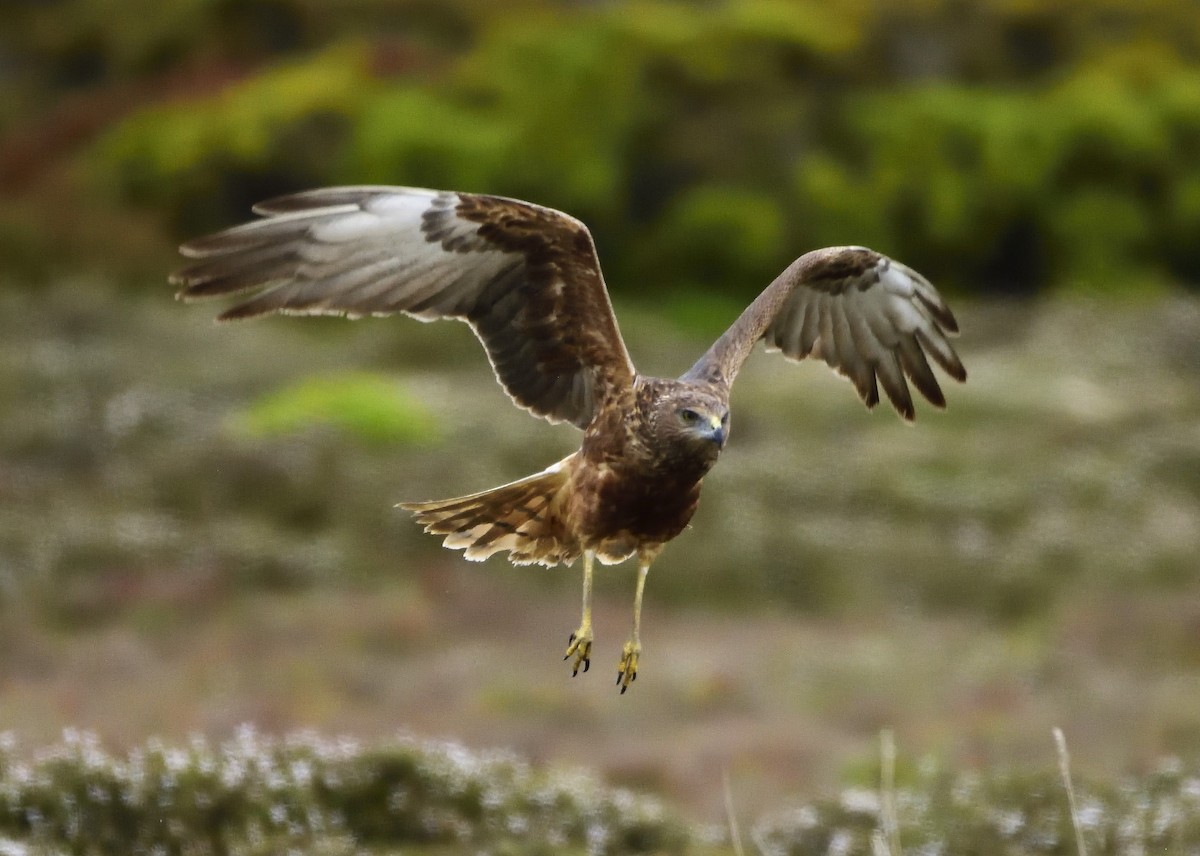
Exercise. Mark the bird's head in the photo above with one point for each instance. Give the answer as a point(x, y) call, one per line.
point(693, 422)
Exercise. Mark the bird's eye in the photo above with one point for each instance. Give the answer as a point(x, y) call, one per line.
point(689, 416)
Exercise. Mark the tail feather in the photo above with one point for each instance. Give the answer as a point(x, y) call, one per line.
point(522, 517)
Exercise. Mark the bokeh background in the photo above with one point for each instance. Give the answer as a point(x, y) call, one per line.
point(196, 522)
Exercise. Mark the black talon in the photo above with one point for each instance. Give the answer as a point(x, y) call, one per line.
point(570, 638)
point(575, 671)
point(624, 688)
point(587, 664)
point(619, 674)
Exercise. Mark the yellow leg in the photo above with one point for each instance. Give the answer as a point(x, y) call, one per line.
point(580, 643)
point(627, 670)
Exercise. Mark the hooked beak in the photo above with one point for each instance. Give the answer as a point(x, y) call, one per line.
point(717, 431)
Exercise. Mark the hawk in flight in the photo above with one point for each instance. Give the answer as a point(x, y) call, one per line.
point(527, 280)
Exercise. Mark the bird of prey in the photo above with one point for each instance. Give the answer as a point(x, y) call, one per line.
point(527, 280)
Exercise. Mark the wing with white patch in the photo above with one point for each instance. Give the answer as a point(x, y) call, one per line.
point(526, 278)
point(870, 318)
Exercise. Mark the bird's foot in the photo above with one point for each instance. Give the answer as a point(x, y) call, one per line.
point(579, 646)
point(627, 670)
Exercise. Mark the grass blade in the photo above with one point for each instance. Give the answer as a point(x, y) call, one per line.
point(1064, 769)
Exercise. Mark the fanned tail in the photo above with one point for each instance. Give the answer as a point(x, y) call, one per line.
point(522, 517)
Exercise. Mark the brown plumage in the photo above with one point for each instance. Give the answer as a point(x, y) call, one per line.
point(528, 282)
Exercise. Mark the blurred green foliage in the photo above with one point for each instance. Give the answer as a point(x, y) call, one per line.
point(368, 407)
point(997, 145)
point(275, 123)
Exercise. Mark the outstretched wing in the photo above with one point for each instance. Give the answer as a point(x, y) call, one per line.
point(525, 278)
point(868, 317)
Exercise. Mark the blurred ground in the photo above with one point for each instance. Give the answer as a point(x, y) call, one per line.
point(1025, 560)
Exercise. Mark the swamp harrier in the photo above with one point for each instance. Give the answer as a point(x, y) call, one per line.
point(527, 280)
